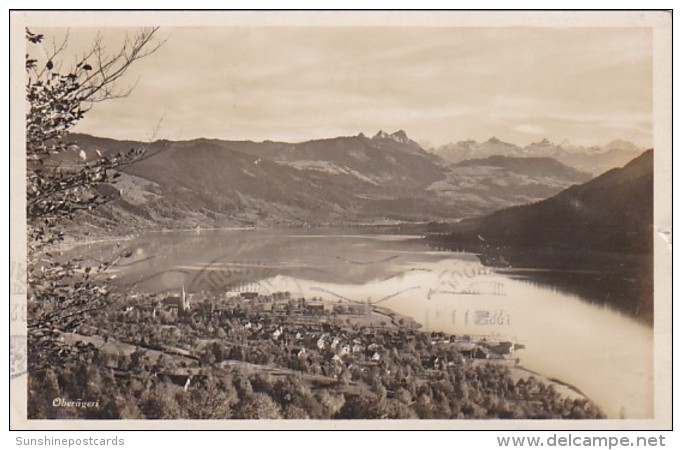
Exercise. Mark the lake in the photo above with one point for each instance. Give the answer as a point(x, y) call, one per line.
point(606, 354)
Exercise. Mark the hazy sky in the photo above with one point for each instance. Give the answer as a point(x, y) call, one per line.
point(587, 85)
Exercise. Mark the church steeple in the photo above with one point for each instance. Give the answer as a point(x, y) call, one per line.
point(185, 300)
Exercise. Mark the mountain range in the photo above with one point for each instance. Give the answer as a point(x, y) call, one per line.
point(344, 180)
point(594, 160)
point(612, 211)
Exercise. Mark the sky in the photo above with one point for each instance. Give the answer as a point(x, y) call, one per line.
point(440, 84)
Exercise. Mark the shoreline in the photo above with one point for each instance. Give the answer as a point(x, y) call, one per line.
point(420, 228)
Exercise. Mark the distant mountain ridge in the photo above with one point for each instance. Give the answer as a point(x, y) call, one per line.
point(399, 136)
point(595, 159)
point(537, 166)
point(611, 213)
point(350, 179)
point(495, 182)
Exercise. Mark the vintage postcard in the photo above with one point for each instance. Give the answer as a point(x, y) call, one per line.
point(341, 220)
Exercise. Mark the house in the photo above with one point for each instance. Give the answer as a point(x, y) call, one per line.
point(183, 380)
point(481, 353)
point(439, 338)
point(277, 333)
point(172, 302)
point(178, 379)
point(467, 349)
point(435, 362)
point(503, 348)
point(314, 308)
point(181, 302)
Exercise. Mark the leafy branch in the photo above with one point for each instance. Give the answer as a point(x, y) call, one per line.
point(62, 179)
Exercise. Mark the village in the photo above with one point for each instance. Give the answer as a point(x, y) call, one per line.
point(342, 340)
point(304, 358)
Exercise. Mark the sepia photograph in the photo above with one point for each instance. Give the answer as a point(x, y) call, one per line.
point(300, 220)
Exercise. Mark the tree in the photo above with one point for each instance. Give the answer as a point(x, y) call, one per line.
point(332, 403)
point(123, 407)
point(291, 411)
point(378, 389)
point(161, 403)
point(208, 401)
point(62, 181)
point(243, 386)
point(359, 407)
point(394, 409)
point(259, 406)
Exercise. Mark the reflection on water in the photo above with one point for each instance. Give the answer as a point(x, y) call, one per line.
point(606, 354)
point(629, 291)
point(240, 260)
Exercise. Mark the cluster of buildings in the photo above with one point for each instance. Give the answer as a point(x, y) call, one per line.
point(319, 331)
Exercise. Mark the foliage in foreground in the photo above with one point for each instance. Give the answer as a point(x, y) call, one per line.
point(61, 181)
point(464, 392)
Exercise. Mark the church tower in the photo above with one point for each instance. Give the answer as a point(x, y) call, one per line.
point(185, 300)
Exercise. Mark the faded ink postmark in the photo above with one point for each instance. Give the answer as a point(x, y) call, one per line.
point(469, 279)
point(17, 356)
point(18, 277)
